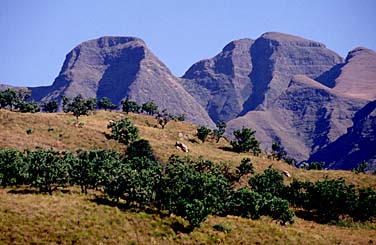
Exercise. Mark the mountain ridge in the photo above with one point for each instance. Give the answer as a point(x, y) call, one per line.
point(290, 89)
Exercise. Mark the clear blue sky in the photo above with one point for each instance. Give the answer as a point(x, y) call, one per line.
point(35, 35)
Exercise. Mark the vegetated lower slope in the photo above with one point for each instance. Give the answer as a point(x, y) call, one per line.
point(58, 131)
point(69, 218)
point(76, 218)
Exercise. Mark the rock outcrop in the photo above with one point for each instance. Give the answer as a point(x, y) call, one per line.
point(120, 67)
point(354, 147)
point(249, 75)
point(304, 118)
point(356, 77)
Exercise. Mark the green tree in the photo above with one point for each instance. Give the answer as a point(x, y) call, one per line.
point(141, 148)
point(150, 108)
point(28, 106)
point(47, 170)
point(245, 141)
point(246, 167)
point(78, 106)
point(270, 181)
point(278, 151)
point(105, 103)
point(220, 130)
point(361, 168)
point(192, 189)
point(50, 106)
point(123, 131)
point(12, 168)
point(315, 166)
point(8, 98)
point(164, 117)
point(203, 133)
point(130, 106)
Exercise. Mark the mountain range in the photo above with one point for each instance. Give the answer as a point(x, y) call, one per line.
point(318, 105)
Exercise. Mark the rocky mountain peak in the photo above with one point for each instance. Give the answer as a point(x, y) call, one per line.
point(280, 39)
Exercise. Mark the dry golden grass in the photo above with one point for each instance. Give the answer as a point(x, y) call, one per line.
point(76, 218)
point(65, 136)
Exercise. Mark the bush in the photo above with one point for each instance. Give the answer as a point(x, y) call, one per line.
point(246, 167)
point(47, 170)
point(164, 117)
point(50, 106)
point(78, 106)
point(130, 106)
point(277, 208)
point(202, 133)
point(245, 141)
point(141, 148)
point(244, 203)
point(136, 181)
point(150, 108)
point(105, 103)
point(220, 130)
point(13, 169)
point(190, 193)
point(123, 131)
point(271, 181)
point(278, 151)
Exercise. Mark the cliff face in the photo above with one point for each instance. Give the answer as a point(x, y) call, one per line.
point(249, 75)
point(357, 145)
point(222, 84)
point(120, 67)
point(304, 118)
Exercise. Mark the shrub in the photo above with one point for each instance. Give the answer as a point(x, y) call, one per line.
point(150, 108)
point(141, 148)
point(50, 106)
point(12, 168)
point(164, 117)
point(123, 131)
point(220, 130)
point(246, 167)
point(78, 106)
point(47, 170)
point(244, 203)
point(270, 181)
point(105, 103)
point(190, 193)
point(136, 181)
point(202, 133)
point(245, 141)
point(130, 106)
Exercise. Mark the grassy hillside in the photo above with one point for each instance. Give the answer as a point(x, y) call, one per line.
point(64, 135)
point(76, 218)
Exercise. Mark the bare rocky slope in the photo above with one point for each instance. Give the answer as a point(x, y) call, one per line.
point(289, 89)
point(120, 67)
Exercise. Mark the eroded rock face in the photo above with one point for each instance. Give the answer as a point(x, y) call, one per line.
point(249, 75)
point(356, 77)
point(120, 67)
point(222, 84)
point(354, 147)
point(304, 118)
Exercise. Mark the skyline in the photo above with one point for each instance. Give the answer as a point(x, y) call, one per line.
point(37, 35)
